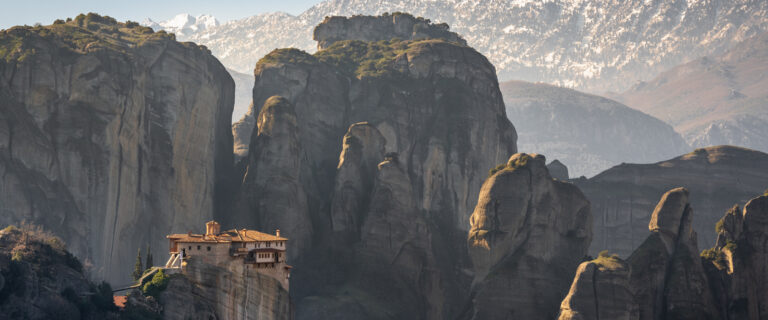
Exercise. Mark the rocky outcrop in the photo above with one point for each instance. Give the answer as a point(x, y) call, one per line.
point(668, 279)
point(624, 196)
point(528, 234)
point(393, 138)
point(40, 279)
point(557, 170)
point(360, 156)
point(588, 132)
point(111, 136)
point(738, 261)
point(600, 290)
point(275, 197)
point(228, 290)
point(398, 25)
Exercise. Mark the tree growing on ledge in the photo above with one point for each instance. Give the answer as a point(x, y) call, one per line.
point(149, 258)
point(138, 269)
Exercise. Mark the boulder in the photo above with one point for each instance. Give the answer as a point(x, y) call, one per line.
point(600, 290)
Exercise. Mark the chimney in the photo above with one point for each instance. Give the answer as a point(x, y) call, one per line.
point(277, 232)
point(212, 228)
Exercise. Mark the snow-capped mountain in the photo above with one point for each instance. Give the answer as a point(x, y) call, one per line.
point(592, 45)
point(184, 25)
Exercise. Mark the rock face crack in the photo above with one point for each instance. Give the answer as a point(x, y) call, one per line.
point(594, 292)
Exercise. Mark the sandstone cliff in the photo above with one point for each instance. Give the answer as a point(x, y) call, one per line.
point(624, 196)
point(228, 290)
point(393, 139)
point(528, 234)
point(111, 135)
point(273, 174)
point(737, 263)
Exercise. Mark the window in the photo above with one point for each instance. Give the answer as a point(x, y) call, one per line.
point(209, 248)
point(198, 247)
point(190, 247)
point(269, 244)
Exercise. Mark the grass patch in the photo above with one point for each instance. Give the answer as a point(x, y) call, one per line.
point(719, 226)
point(87, 31)
point(716, 257)
point(287, 56)
point(364, 59)
point(512, 164)
point(155, 286)
point(498, 168)
point(607, 261)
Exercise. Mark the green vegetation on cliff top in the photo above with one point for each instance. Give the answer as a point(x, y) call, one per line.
point(353, 57)
point(37, 257)
point(86, 32)
point(512, 164)
point(155, 286)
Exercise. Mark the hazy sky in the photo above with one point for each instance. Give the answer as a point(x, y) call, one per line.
point(20, 12)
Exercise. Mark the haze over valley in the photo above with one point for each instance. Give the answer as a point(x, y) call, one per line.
point(471, 160)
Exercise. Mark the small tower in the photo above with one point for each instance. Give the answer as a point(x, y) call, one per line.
point(212, 228)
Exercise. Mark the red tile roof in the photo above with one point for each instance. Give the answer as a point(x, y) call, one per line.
point(233, 235)
point(120, 301)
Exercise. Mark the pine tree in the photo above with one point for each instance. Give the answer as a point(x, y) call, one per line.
point(137, 268)
point(150, 264)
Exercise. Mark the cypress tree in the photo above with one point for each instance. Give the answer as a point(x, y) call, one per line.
point(137, 268)
point(150, 264)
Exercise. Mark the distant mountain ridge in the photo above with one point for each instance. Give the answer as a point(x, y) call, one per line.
point(713, 100)
point(586, 44)
point(587, 133)
point(184, 24)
